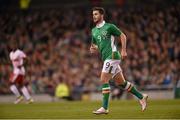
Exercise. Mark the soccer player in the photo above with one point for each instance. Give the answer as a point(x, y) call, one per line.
point(103, 40)
point(17, 78)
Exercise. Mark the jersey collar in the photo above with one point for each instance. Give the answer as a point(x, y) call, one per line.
point(100, 24)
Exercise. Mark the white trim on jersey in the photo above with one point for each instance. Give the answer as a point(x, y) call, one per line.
point(112, 44)
point(100, 24)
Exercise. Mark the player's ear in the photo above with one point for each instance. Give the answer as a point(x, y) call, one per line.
point(102, 16)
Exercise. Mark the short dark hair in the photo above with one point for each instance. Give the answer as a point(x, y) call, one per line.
point(100, 9)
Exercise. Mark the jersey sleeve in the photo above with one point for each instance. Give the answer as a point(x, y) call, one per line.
point(93, 40)
point(115, 30)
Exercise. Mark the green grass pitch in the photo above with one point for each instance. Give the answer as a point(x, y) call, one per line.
point(129, 109)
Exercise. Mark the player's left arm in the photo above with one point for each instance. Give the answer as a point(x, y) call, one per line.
point(122, 39)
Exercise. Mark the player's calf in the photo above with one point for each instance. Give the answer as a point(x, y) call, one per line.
point(142, 97)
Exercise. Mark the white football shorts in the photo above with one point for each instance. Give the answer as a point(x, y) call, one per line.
point(111, 66)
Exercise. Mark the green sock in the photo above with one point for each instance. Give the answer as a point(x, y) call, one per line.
point(105, 92)
point(130, 88)
point(135, 92)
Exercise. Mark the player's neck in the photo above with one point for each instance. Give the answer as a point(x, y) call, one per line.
point(100, 24)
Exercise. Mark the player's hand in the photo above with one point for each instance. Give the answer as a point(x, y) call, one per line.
point(93, 49)
point(123, 53)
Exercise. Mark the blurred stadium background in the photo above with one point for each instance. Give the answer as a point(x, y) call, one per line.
point(55, 34)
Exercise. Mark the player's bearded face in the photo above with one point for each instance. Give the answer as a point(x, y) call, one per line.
point(97, 17)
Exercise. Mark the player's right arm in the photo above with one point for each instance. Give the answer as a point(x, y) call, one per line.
point(93, 47)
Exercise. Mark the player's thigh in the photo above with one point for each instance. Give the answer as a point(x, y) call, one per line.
point(119, 78)
point(109, 69)
point(105, 77)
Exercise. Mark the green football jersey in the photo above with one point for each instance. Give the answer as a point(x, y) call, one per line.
point(103, 37)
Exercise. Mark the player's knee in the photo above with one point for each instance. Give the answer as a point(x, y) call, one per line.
point(105, 77)
point(126, 85)
point(119, 82)
point(119, 78)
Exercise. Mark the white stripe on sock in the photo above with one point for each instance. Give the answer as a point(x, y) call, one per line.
point(107, 88)
point(127, 85)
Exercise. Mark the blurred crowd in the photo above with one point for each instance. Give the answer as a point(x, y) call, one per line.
point(57, 42)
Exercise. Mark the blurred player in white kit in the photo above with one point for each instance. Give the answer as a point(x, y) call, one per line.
point(17, 77)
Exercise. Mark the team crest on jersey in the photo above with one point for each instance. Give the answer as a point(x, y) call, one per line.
point(104, 34)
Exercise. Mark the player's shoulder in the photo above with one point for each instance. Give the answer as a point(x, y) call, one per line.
point(107, 23)
point(110, 24)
